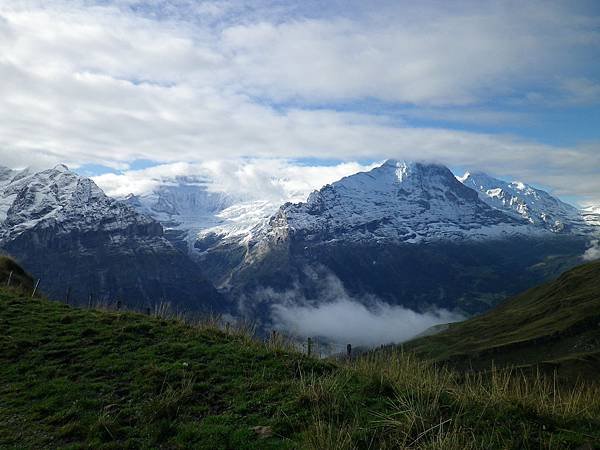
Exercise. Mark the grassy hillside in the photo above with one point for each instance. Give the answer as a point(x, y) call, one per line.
point(555, 325)
point(74, 378)
point(13, 276)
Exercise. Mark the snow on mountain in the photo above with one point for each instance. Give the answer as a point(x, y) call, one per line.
point(408, 233)
point(66, 231)
point(398, 201)
point(58, 198)
point(189, 210)
point(184, 206)
point(521, 200)
point(239, 221)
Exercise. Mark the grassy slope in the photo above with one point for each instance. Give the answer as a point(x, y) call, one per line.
point(556, 324)
point(73, 378)
point(19, 279)
point(71, 375)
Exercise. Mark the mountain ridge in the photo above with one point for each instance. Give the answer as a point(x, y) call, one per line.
point(554, 324)
point(409, 202)
point(522, 200)
point(81, 243)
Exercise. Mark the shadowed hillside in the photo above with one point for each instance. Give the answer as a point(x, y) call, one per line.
point(13, 276)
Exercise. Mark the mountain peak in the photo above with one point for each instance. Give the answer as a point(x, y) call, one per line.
point(61, 168)
point(393, 163)
point(399, 200)
point(519, 185)
point(520, 199)
point(392, 172)
point(478, 177)
point(399, 178)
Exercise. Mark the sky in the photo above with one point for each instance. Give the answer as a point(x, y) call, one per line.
point(124, 89)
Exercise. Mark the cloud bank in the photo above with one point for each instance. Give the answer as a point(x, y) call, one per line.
point(347, 321)
point(593, 252)
point(266, 179)
point(337, 317)
point(113, 81)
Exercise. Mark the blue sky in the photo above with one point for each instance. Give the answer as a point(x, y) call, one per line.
point(120, 86)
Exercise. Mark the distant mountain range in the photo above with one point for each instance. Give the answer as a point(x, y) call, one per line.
point(407, 233)
point(206, 220)
point(412, 234)
point(81, 243)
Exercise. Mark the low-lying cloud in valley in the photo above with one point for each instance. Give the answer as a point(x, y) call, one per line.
point(349, 321)
point(338, 317)
point(593, 252)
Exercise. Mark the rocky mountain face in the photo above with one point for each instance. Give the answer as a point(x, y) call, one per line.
point(64, 230)
point(523, 201)
point(396, 202)
point(412, 234)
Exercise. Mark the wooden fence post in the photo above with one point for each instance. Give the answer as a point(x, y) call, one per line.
point(349, 350)
point(68, 295)
point(309, 346)
point(9, 278)
point(147, 310)
point(35, 288)
point(90, 301)
point(118, 305)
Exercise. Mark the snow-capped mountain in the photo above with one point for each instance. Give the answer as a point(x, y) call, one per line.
point(398, 201)
point(60, 199)
point(66, 231)
point(184, 206)
point(390, 203)
point(194, 214)
point(522, 200)
point(409, 233)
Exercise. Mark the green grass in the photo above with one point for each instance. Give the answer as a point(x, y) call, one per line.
point(74, 378)
point(13, 276)
point(555, 325)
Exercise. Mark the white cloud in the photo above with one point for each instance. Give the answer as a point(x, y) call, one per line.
point(349, 322)
point(581, 91)
point(195, 81)
point(421, 53)
point(338, 317)
point(280, 180)
point(593, 252)
point(266, 179)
